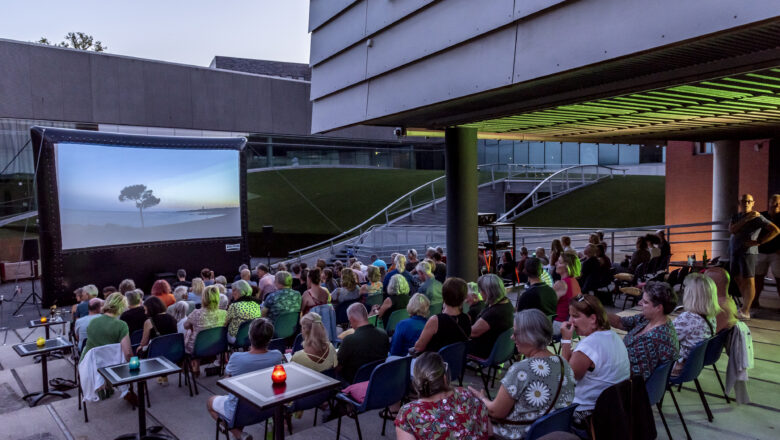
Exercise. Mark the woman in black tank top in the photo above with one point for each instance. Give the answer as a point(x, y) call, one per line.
point(159, 322)
point(449, 326)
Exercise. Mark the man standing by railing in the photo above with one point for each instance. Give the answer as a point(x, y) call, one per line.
point(769, 253)
point(749, 229)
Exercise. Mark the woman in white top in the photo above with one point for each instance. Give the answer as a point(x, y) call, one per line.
point(600, 359)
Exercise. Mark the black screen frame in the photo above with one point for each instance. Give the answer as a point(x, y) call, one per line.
point(65, 270)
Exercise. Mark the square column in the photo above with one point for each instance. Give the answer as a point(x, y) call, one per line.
point(461, 172)
point(725, 191)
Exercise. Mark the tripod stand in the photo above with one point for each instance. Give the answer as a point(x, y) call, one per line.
point(33, 297)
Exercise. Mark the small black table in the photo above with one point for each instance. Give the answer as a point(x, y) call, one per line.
point(34, 323)
point(32, 349)
point(149, 369)
point(258, 389)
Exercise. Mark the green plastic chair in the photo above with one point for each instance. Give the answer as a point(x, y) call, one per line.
point(285, 325)
point(436, 309)
point(395, 318)
point(242, 337)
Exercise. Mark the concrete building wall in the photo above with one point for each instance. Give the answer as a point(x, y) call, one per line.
point(41, 82)
point(374, 58)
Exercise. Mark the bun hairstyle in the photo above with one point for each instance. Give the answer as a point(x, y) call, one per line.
point(431, 375)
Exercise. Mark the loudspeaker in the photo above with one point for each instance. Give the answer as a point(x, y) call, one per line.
point(30, 250)
point(268, 234)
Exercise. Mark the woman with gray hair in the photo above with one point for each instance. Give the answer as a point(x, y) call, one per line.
point(533, 387)
point(494, 320)
point(397, 298)
point(244, 308)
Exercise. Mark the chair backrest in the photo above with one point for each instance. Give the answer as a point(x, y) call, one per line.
point(455, 357)
point(558, 420)
point(136, 336)
point(247, 414)
point(242, 337)
point(278, 344)
point(652, 265)
point(388, 384)
point(374, 300)
point(341, 311)
point(715, 347)
point(285, 324)
point(170, 346)
point(656, 383)
point(672, 280)
point(328, 315)
point(316, 399)
point(639, 272)
point(694, 363)
point(298, 344)
point(364, 372)
point(210, 342)
point(435, 309)
point(395, 317)
point(503, 349)
point(683, 273)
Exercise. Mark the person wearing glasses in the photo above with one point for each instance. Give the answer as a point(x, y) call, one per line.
point(441, 410)
point(600, 358)
point(749, 229)
point(533, 387)
point(651, 339)
point(768, 257)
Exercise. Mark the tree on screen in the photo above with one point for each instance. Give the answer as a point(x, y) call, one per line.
point(142, 197)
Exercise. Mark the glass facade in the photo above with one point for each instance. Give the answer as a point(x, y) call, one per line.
point(559, 154)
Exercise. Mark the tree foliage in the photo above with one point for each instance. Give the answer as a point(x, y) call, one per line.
point(143, 198)
point(77, 40)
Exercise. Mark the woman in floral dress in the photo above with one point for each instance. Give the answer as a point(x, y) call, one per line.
point(441, 412)
point(534, 387)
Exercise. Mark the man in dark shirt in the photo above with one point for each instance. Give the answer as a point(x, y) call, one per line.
point(769, 253)
point(749, 229)
point(181, 275)
point(367, 344)
point(538, 295)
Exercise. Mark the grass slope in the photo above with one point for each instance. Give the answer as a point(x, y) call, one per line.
point(346, 196)
point(620, 202)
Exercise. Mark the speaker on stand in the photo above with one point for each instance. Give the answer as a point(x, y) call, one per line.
point(30, 253)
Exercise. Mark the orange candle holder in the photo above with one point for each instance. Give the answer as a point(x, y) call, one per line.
point(278, 375)
point(43, 319)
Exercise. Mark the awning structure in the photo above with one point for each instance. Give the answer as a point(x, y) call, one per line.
point(747, 102)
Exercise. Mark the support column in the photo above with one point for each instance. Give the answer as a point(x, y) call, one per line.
point(461, 172)
point(269, 153)
point(725, 191)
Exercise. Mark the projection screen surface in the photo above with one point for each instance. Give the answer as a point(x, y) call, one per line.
point(111, 195)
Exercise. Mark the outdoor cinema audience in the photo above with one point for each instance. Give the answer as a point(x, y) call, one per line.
point(135, 315)
point(449, 326)
point(196, 291)
point(441, 411)
point(315, 295)
point(108, 328)
point(162, 290)
point(159, 322)
point(374, 283)
point(568, 267)
point(349, 290)
point(179, 313)
point(397, 298)
point(494, 320)
point(727, 317)
point(318, 353)
point(538, 295)
point(243, 308)
point(258, 357)
point(399, 262)
point(408, 331)
point(429, 285)
point(600, 358)
point(539, 384)
point(80, 330)
point(651, 338)
point(283, 300)
point(366, 344)
point(265, 281)
point(697, 322)
point(475, 301)
point(206, 317)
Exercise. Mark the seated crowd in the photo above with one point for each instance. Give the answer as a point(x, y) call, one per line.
point(440, 311)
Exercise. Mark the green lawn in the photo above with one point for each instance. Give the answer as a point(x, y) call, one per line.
point(620, 202)
point(346, 196)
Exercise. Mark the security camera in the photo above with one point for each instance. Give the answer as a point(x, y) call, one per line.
point(399, 131)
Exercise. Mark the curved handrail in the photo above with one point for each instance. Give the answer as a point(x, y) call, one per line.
point(386, 211)
point(549, 180)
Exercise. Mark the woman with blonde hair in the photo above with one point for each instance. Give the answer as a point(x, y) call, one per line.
point(196, 290)
point(318, 353)
point(108, 328)
point(408, 331)
point(569, 268)
point(397, 298)
point(374, 286)
point(206, 317)
point(349, 289)
point(697, 322)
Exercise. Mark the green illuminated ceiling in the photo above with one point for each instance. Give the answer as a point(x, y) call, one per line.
point(748, 101)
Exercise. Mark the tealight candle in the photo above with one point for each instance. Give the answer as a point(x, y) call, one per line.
point(134, 363)
point(43, 319)
point(40, 342)
point(278, 375)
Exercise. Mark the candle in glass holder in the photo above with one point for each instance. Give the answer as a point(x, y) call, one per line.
point(40, 342)
point(278, 375)
point(134, 363)
point(43, 319)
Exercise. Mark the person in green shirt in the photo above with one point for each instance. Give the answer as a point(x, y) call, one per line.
point(108, 328)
